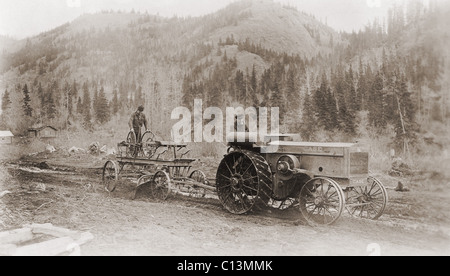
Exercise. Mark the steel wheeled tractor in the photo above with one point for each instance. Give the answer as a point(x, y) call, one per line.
point(321, 180)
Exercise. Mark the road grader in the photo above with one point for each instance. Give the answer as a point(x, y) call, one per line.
point(320, 180)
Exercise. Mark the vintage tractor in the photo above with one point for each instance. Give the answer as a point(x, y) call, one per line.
point(320, 180)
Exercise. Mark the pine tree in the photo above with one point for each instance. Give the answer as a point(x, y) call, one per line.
point(6, 110)
point(376, 106)
point(292, 92)
point(331, 111)
point(80, 108)
point(102, 108)
point(115, 103)
point(405, 124)
point(139, 99)
point(309, 121)
point(361, 91)
point(320, 103)
point(87, 118)
point(239, 87)
point(253, 87)
point(74, 89)
point(50, 105)
point(67, 98)
point(6, 101)
point(28, 111)
point(41, 95)
point(123, 96)
point(95, 103)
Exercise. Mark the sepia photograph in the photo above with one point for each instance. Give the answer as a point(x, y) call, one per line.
point(225, 128)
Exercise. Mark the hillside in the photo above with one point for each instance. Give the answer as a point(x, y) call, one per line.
point(282, 29)
point(127, 52)
point(388, 81)
point(7, 44)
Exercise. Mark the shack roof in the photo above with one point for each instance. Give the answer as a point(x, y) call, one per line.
point(41, 128)
point(6, 134)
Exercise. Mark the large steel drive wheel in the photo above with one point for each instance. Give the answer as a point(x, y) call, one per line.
point(242, 181)
point(321, 201)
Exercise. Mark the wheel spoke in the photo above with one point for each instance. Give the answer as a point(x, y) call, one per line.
point(253, 177)
point(228, 167)
point(250, 188)
point(251, 165)
point(227, 178)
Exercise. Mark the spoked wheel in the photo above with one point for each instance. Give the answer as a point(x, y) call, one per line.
point(110, 176)
point(196, 191)
point(161, 185)
point(144, 187)
point(242, 182)
point(148, 150)
point(369, 201)
point(132, 148)
point(321, 201)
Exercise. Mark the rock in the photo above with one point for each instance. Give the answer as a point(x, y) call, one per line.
point(400, 168)
point(111, 152)
point(76, 150)
point(94, 148)
point(43, 166)
point(50, 148)
point(38, 187)
point(2, 194)
point(401, 187)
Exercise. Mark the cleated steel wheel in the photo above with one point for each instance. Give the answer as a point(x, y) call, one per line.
point(321, 201)
point(110, 176)
point(369, 201)
point(161, 185)
point(242, 182)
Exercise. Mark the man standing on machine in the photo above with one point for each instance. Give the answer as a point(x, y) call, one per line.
point(136, 122)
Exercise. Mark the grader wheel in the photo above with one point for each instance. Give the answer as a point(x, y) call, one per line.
point(161, 185)
point(198, 177)
point(110, 176)
point(242, 181)
point(321, 201)
point(369, 201)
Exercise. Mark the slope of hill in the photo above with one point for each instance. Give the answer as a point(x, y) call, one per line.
point(280, 28)
point(165, 62)
point(125, 52)
point(7, 44)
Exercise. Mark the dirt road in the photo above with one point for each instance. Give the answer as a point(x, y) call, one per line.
point(416, 223)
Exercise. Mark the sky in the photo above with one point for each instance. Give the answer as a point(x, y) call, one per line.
point(23, 18)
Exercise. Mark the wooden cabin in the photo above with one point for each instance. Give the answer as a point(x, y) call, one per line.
point(45, 132)
point(6, 137)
